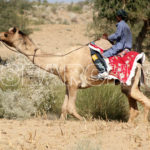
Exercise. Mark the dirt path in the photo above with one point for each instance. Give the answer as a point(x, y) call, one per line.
point(38, 134)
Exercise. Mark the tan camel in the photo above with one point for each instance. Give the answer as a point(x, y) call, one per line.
point(75, 70)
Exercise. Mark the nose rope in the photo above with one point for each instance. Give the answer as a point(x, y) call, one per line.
point(35, 54)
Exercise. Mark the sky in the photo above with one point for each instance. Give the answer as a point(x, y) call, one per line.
point(67, 1)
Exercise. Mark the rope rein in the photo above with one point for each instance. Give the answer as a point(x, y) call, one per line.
point(45, 55)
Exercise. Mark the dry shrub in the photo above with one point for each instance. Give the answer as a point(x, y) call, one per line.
point(77, 8)
point(25, 89)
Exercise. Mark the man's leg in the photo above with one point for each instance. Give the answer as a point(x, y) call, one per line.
point(100, 65)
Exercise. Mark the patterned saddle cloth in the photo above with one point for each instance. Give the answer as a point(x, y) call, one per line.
point(122, 68)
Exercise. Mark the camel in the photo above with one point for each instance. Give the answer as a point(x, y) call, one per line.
point(75, 70)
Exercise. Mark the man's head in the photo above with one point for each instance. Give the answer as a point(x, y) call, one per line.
point(121, 15)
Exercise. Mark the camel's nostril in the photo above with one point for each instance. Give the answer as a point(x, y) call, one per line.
point(6, 35)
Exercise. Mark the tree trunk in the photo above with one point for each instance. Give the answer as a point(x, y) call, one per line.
point(141, 36)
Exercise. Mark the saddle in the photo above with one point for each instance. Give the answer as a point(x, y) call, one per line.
point(121, 67)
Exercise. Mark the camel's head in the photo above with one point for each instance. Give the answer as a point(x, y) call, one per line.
point(11, 36)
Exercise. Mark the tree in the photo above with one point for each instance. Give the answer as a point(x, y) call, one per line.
point(138, 12)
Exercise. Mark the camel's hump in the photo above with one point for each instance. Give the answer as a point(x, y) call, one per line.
point(104, 44)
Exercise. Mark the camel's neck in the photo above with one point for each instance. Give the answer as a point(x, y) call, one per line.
point(28, 48)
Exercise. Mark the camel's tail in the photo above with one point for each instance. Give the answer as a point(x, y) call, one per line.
point(142, 78)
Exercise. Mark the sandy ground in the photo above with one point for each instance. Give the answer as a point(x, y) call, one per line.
point(39, 134)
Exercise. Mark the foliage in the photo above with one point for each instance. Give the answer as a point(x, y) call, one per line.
point(105, 101)
point(138, 12)
point(13, 13)
point(77, 8)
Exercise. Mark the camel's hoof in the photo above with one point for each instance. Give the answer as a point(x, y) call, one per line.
point(63, 117)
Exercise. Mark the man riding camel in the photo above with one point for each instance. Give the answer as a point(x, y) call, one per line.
point(123, 39)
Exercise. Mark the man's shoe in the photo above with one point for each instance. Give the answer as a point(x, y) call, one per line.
point(101, 76)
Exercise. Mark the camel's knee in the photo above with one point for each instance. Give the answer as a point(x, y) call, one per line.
point(71, 108)
point(140, 97)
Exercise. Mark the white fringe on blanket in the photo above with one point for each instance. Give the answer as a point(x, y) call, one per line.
point(132, 72)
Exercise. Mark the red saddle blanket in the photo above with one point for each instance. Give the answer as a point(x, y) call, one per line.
point(122, 68)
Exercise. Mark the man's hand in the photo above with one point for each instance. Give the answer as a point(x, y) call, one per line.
point(121, 54)
point(103, 56)
point(105, 36)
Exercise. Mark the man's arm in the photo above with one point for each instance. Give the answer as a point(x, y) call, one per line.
point(116, 35)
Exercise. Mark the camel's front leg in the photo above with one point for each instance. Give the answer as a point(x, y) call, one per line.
point(64, 106)
point(133, 109)
point(71, 107)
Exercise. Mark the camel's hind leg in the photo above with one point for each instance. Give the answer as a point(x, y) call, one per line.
point(137, 94)
point(133, 109)
point(132, 103)
point(64, 106)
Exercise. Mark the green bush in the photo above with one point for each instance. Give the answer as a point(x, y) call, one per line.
point(105, 101)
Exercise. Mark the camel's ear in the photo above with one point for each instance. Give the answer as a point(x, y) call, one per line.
point(13, 30)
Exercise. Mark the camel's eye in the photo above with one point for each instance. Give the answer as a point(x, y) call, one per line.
point(6, 35)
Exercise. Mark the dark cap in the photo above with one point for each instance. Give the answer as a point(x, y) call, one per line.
point(122, 13)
